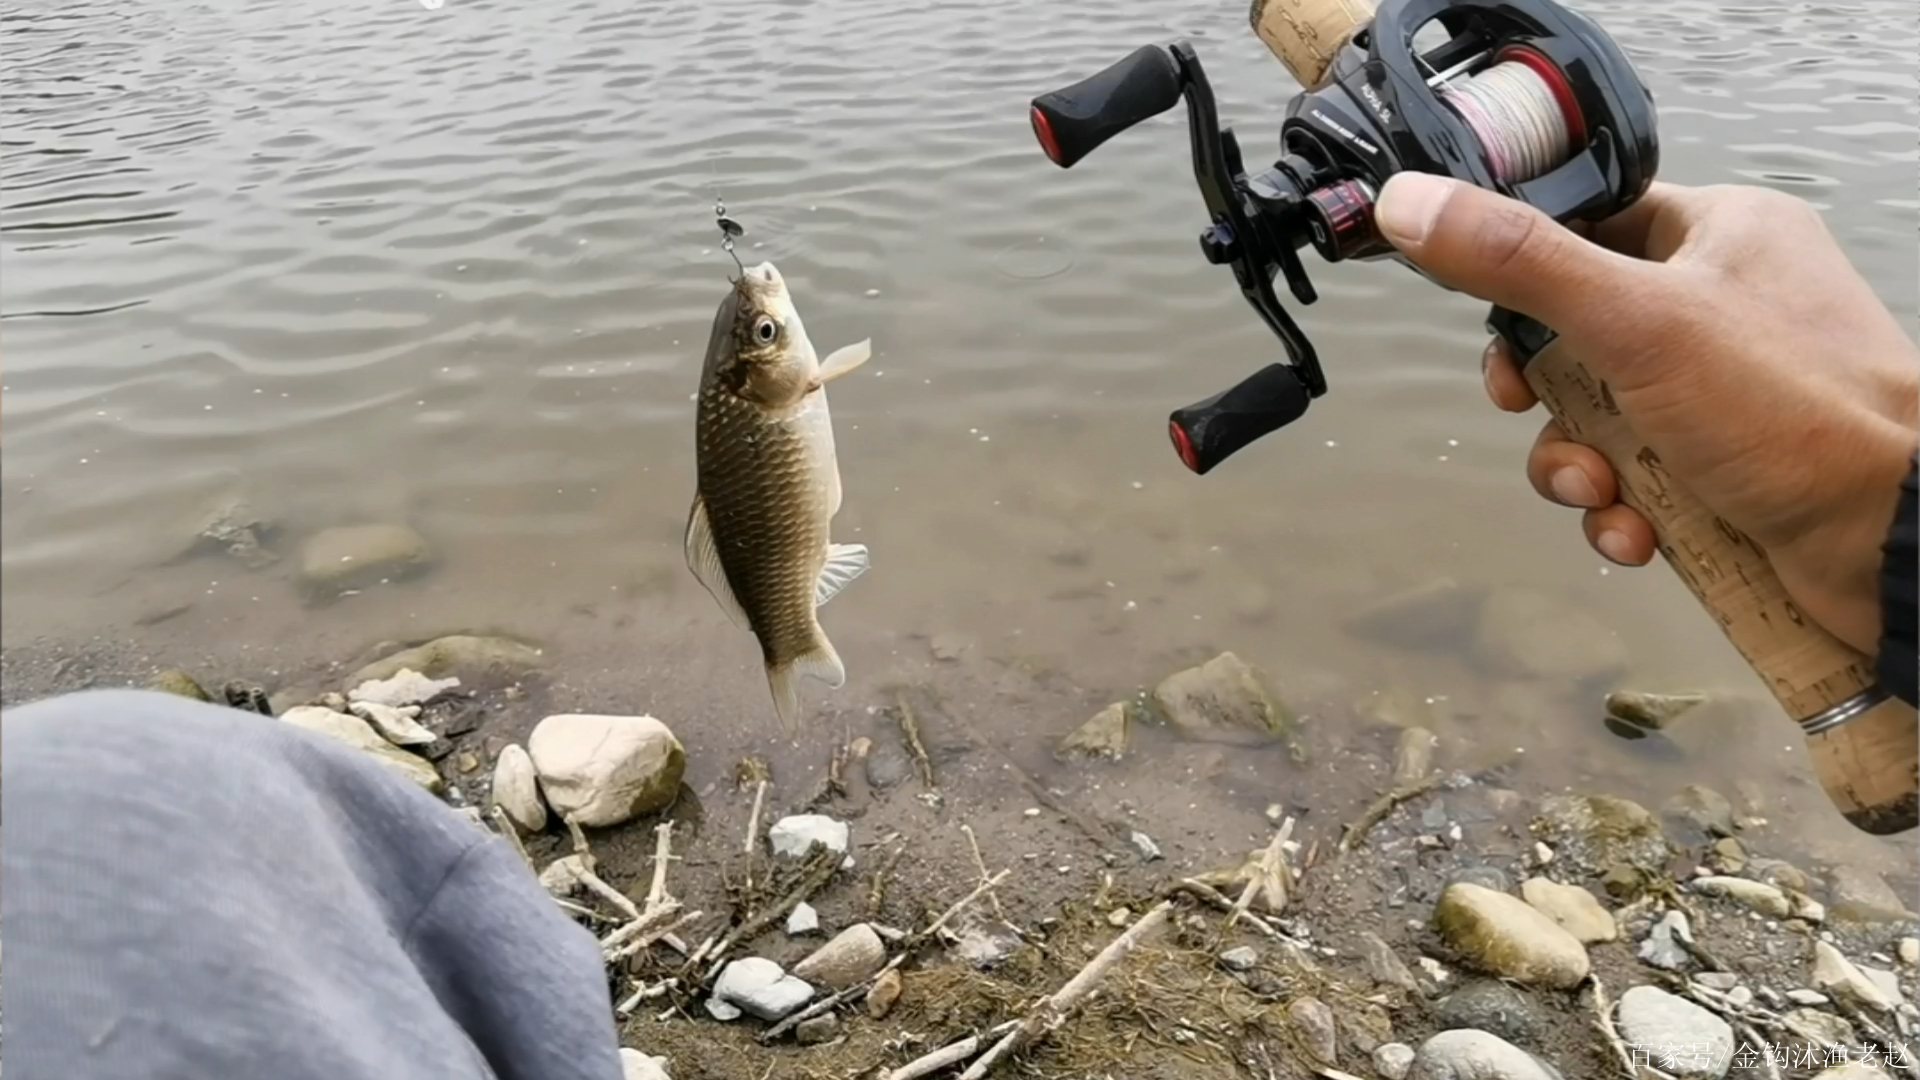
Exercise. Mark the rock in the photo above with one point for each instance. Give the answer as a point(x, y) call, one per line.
point(471, 658)
point(887, 765)
point(792, 837)
point(1598, 831)
point(1575, 909)
point(1910, 951)
point(1105, 736)
point(467, 761)
point(1528, 634)
point(1780, 875)
point(1487, 877)
point(395, 725)
point(850, 958)
point(1728, 855)
point(1703, 808)
point(1314, 1021)
point(1465, 1054)
point(1393, 1060)
point(1682, 1039)
point(1650, 711)
point(884, 993)
point(1883, 980)
point(1808, 997)
point(247, 697)
point(1489, 1005)
point(803, 919)
point(1623, 882)
point(1757, 895)
point(236, 529)
point(982, 948)
point(1437, 615)
point(758, 987)
point(1142, 843)
point(1120, 918)
point(1383, 965)
point(817, 1030)
point(635, 1065)
point(1740, 997)
point(355, 556)
point(403, 687)
point(1241, 958)
point(356, 733)
point(1717, 980)
point(1864, 896)
point(177, 682)
point(1503, 936)
point(605, 770)
point(516, 789)
point(1826, 1028)
point(1665, 946)
point(1413, 756)
point(1838, 976)
point(722, 1011)
point(1802, 906)
point(1224, 698)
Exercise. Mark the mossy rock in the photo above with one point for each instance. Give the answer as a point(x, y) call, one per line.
point(1223, 700)
point(472, 659)
point(1599, 831)
point(175, 681)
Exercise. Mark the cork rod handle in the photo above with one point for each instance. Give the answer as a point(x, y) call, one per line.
point(1869, 764)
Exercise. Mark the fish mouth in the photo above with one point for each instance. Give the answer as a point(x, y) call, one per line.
point(764, 274)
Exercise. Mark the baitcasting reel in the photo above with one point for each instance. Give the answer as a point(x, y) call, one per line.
point(1526, 98)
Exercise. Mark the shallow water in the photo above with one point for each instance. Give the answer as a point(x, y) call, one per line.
point(456, 267)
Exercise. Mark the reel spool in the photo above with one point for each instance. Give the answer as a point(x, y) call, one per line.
point(1525, 97)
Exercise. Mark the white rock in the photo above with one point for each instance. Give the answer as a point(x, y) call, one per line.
point(1469, 1054)
point(1576, 910)
point(1393, 1060)
point(1542, 854)
point(1883, 980)
point(1681, 1038)
point(1144, 844)
point(564, 875)
point(722, 1011)
point(803, 919)
point(1806, 907)
point(605, 770)
point(850, 958)
point(759, 987)
point(635, 1065)
point(1241, 958)
point(1757, 895)
point(1717, 980)
point(1740, 997)
point(396, 725)
point(794, 836)
point(1808, 997)
point(403, 687)
point(1837, 975)
point(1663, 947)
point(516, 789)
point(1910, 951)
point(356, 733)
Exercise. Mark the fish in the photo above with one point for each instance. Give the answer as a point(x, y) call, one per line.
point(767, 483)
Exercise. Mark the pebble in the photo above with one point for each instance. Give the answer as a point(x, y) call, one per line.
point(1661, 1024)
point(1240, 959)
point(396, 724)
point(603, 770)
point(1104, 736)
point(1142, 843)
point(1717, 980)
point(1505, 937)
point(635, 1065)
point(1575, 909)
point(1393, 1060)
point(1488, 1005)
point(1598, 832)
point(516, 789)
point(722, 1011)
point(1383, 965)
point(403, 687)
point(758, 986)
point(1740, 997)
point(358, 734)
point(1663, 947)
point(819, 1029)
point(802, 920)
point(1314, 1021)
point(884, 993)
point(1465, 1054)
point(792, 837)
point(1807, 997)
point(847, 960)
point(1542, 854)
point(1910, 951)
point(1757, 895)
point(1838, 976)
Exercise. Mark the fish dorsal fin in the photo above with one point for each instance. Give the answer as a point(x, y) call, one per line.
point(844, 359)
point(844, 563)
point(704, 560)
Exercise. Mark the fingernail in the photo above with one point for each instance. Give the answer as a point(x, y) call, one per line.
point(1570, 486)
point(1486, 357)
point(1614, 545)
point(1409, 204)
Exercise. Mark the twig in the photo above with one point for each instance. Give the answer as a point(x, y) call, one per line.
point(877, 882)
point(643, 992)
point(579, 837)
point(608, 893)
point(1052, 1012)
point(973, 844)
point(572, 908)
point(1353, 834)
point(511, 832)
point(651, 920)
point(1206, 893)
point(662, 852)
point(1273, 864)
point(819, 868)
point(1603, 1020)
point(950, 1054)
point(910, 733)
point(1750, 1037)
point(753, 822)
point(986, 886)
point(650, 937)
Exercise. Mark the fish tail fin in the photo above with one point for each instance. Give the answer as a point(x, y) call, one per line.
point(821, 662)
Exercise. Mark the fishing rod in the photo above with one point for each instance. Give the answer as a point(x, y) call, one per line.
point(1535, 101)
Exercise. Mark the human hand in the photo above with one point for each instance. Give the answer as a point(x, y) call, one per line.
point(1739, 343)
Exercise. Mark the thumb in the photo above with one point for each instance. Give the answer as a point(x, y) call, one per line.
point(1504, 251)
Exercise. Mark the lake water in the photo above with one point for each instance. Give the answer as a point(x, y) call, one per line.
point(455, 267)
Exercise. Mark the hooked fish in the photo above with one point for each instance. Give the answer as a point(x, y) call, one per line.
point(768, 483)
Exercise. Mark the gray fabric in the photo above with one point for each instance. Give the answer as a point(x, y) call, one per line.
point(199, 893)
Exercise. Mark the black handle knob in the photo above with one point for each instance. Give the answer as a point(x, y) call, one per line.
point(1208, 432)
point(1072, 121)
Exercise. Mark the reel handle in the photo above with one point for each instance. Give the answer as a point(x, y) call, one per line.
point(1073, 121)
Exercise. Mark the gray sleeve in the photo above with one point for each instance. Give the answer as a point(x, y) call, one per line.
point(526, 984)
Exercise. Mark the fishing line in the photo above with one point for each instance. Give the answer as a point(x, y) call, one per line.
point(729, 228)
point(1521, 119)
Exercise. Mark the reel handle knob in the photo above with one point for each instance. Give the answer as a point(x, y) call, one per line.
point(1073, 121)
point(1209, 432)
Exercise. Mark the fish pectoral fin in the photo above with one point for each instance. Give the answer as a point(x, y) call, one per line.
point(822, 663)
point(703, 558)
point(844, 563)
point(844, 359)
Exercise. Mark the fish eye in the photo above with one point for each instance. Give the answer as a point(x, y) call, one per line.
point(765, 330)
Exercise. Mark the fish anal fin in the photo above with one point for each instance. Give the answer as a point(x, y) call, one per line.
point(844, 359)
point(844, 563)
point(703, 558)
